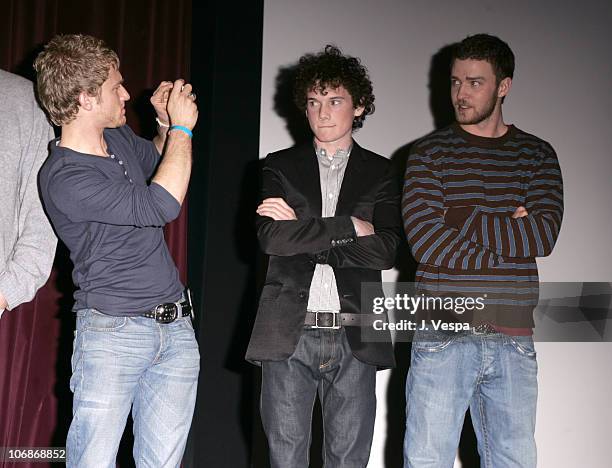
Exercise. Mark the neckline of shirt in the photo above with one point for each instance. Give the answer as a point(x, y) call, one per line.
point(484, 141)
point(340, 153)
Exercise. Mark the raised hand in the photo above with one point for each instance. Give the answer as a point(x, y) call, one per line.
point(159, 100)
point(182, 109)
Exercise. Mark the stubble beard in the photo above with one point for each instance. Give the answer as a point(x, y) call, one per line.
point(478, 117)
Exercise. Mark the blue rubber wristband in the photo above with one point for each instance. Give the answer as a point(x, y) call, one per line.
point(182, 129)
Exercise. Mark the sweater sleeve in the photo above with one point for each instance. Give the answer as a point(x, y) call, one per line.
point(431, 240)
point(533, 235)
point(29, 265)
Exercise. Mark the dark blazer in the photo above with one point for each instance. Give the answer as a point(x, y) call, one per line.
point(369, 191)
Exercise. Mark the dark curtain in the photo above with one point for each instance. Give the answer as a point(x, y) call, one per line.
point(223, 250)
point(152, 39)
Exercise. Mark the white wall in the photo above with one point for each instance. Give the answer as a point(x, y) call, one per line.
point(561, 92)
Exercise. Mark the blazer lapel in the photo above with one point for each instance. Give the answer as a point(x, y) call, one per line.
point(309, 177)
point(349, 192)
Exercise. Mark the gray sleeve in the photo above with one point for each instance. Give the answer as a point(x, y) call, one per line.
point(29, 264)
point(83, 193)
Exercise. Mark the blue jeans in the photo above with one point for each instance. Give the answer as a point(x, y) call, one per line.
point(494, 375)
point(323, 362)
point(123, 363)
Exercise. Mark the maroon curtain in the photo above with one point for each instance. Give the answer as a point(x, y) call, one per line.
point(152, 39)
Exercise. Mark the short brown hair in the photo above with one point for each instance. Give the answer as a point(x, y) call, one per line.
point(69, 64)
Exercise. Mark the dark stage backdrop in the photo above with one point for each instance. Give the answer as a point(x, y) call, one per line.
point(153, 40)
point(223, 251)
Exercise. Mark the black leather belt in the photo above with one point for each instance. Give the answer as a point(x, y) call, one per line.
point(335, 320)
point(168, 312)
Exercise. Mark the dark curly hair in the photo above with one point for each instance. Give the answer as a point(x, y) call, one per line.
point(330, 69)
point(489, 48)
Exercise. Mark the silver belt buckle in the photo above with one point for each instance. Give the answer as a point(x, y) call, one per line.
point(334, 325)
point(161, 309)
point(483, 329)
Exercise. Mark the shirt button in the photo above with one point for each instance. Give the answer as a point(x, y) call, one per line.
point(131, 181)
point(112, 156)
point(333, 166)
point(125, 172)
point(121, 162)
point(326, 285)
point(330, 196)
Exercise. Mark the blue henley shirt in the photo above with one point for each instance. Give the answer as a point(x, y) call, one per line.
point(111, 220)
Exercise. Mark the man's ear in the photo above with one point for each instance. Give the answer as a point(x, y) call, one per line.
point(358, 111)
point(504, 87)
point(86, 101)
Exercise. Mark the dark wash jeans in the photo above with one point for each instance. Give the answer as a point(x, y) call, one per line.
point(323, 363)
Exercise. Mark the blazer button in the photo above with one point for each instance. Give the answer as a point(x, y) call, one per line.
point(301, 294)
point(333, 243)
point(320, 258)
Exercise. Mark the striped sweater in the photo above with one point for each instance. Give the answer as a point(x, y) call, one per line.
point(460, 192)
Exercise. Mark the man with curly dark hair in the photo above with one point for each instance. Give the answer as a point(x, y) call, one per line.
point(329, 220)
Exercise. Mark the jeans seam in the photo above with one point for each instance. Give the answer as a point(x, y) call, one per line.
point(157, 357)
point(323, 428)
point(332, 350)
point(136, 436)
point(485, 433)
point(310, 431)
point(80, 389)
point(483, 424)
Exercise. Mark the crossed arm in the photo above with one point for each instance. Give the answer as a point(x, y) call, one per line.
point(340, 241)
point(468, 237)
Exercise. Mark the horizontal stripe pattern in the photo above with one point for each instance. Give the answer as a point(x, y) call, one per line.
point(481, 181)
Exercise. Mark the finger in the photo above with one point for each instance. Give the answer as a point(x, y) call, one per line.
point(276, 210)
point(274, 214)
point(164, 86)
point(186, 89)
point(279, 208)
point(176, 88)
point(277, 202)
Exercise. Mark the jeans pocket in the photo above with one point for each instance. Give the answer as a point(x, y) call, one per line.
point(523, 345)
point(431, 342)
point(186, 322)
point(97, 321)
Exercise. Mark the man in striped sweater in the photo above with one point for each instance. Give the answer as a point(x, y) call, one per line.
point(481, 200)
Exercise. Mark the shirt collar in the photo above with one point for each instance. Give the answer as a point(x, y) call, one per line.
point(340, 153)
